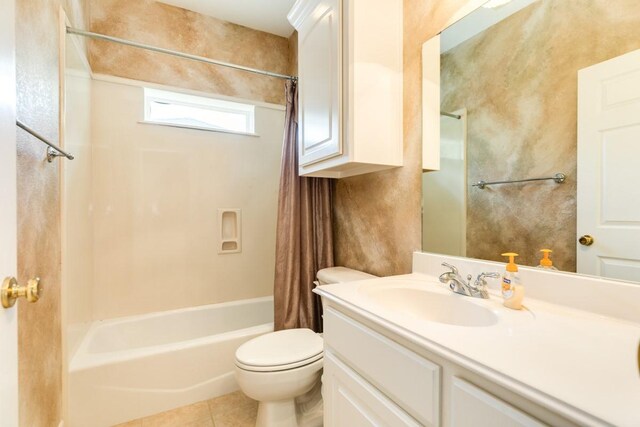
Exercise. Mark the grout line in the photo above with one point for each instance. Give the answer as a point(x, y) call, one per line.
point(213, 421)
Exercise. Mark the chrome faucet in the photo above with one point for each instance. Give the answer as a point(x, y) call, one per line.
point(464, 287)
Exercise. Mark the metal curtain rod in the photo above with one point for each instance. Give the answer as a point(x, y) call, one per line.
point(559, 178)
point(177, 53)
point(53, 150)
point(453, 116)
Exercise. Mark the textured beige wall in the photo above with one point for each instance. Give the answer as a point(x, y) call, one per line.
point(39, 325)
point(171, 27)
point(518, 81)
point(293, 54)
point(377, 215)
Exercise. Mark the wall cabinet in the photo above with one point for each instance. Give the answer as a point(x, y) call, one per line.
point(371, 379)
point(350, 86)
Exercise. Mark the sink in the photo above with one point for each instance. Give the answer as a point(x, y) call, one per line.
point(451, 309)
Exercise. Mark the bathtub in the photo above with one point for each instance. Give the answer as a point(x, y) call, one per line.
point(136, 366)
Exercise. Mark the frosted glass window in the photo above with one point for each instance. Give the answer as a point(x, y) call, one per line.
point(198, 112)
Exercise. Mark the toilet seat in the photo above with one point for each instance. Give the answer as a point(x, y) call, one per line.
point(278, 368)
point(280, 351)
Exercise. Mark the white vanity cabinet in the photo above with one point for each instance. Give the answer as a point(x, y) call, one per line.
point(371, 379)
point(473, 407)
point(351, 401)
point(350, 86)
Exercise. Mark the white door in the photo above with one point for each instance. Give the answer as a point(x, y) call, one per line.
point(609, 167)
point(8, 256)
point(319, 86)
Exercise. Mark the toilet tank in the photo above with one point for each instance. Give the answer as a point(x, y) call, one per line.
point(331, 275)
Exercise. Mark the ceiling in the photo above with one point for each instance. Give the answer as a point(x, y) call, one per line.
point(264, 15)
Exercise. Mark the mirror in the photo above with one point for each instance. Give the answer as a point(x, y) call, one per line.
point(531, 89)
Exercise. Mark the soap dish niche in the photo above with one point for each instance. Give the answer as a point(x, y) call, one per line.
point(229, 231)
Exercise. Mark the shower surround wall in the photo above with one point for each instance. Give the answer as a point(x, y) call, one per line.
point(77, 208)
point(171, 27)
point(530, 62)
point(156, 189)
point(156, 192)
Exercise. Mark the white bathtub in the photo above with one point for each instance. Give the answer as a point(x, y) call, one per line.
point(136, 366)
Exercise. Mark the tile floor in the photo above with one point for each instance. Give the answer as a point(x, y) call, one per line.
point(234, 409)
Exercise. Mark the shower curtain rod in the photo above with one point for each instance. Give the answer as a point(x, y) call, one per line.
point(204, 59)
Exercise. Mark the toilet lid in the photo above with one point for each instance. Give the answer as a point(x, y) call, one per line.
point(280, 350)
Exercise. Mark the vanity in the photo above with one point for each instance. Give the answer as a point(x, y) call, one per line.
point(406, 350)
point(530, 127)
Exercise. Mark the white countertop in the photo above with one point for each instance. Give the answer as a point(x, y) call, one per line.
point(576, 363)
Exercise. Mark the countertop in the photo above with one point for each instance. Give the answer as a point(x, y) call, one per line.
point(578, 364)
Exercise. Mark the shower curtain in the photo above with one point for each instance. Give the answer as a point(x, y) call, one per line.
point(304, 240)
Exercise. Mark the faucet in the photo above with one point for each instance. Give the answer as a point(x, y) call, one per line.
point(464, 287)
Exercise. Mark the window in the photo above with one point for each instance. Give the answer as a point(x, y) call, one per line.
point(197, 112)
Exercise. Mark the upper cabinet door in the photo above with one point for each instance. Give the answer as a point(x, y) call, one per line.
point(319, 91)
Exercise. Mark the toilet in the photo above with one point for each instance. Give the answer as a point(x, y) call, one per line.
point(277, 368)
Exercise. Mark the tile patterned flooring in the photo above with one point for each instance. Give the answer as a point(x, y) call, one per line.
point(231, 410)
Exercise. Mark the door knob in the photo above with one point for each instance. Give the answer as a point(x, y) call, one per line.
point(586, 240)
point(11, 291)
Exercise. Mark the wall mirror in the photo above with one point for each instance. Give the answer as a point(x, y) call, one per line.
point(528, 89)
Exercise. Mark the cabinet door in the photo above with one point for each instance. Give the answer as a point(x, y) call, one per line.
point(351, 401)
point(473, 407)
point(410, 380)
point(319, 65)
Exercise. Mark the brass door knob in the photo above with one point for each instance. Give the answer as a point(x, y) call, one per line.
point(11, 291)
point(586, 240)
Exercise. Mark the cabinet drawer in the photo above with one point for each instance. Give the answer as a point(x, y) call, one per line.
point(351, 401)
point(408, 379)
point(473, 407)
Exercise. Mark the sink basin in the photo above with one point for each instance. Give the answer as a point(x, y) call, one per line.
point(451, 309)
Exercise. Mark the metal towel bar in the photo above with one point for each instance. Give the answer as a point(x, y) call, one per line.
point(53, 150)
point(559, 178)
point(453, 116)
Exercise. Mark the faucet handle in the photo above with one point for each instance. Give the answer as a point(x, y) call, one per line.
point(454, 270)
point(447, 276)
point(492, 275)
point(480, 280)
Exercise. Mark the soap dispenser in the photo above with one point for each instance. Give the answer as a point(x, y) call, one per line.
point(512, 289)
point(546, 262)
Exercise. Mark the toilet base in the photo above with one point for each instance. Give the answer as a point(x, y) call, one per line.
point(277, 414)
point(303, 411)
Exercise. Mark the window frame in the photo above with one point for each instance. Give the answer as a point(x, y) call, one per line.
point(152, 95)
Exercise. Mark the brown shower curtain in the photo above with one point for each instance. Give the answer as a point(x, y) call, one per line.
point(304, 240)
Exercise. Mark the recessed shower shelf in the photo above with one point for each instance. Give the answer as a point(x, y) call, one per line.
point(229, 229)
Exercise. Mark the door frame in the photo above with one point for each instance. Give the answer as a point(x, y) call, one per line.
point(8, 214)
